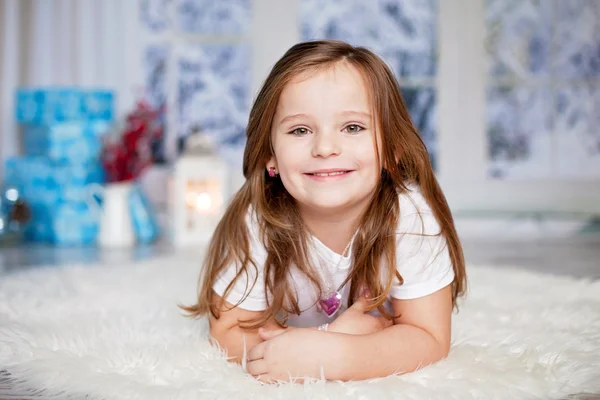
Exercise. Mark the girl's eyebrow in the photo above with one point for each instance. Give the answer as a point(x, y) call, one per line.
point(348, 113)
point(355, 113)
point(292, 117)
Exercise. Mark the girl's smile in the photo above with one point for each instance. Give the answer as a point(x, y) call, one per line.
point(328, 175)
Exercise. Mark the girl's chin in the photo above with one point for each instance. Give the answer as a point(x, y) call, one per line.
point(326, 205)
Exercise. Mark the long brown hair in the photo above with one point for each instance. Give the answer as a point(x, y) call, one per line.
point(404, 158)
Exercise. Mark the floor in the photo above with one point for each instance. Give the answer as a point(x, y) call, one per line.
point(577, 256)
point(556, 244)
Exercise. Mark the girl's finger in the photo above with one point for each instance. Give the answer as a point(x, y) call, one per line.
point(257, 352)
point(257, 367)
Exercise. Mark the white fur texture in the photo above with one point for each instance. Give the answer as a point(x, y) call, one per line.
point(114, 332)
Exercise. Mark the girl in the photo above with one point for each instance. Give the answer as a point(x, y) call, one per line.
point(340, 245)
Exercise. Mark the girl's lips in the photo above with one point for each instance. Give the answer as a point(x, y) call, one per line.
point(328, 176)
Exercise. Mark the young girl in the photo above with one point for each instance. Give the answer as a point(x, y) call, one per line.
point(340, 245)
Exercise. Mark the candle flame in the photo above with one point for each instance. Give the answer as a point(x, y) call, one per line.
point(203, 201)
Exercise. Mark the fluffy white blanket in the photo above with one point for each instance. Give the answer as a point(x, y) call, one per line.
point(114, 332)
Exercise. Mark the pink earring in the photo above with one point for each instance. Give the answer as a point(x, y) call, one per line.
point(272, 173)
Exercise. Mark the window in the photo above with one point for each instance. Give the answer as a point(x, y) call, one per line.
point(543, 90)
point(197, 60)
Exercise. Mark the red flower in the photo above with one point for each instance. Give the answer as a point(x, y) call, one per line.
point(124, 158)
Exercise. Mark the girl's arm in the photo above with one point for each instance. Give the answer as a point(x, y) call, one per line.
point(419, 337)
point(226, 330)
point(230, 336)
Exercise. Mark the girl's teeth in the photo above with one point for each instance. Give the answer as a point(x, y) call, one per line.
point(331, 173)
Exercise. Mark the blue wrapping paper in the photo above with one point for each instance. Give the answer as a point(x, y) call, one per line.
point(75, 142)
point(74, 224)
point(63, 224)
point(62, 104)
point(61, 203)
point(42, 181)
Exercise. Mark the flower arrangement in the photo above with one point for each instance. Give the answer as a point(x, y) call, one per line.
point(125, 155)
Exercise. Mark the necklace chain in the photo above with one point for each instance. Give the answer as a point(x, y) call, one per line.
point(329, 282)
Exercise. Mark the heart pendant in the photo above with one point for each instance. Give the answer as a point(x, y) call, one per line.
point(331, 304)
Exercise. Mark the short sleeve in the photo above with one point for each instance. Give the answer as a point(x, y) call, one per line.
point(255, 301)
point(422, 255)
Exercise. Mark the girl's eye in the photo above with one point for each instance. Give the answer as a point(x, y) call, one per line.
point(353, 128)
point(299, 131)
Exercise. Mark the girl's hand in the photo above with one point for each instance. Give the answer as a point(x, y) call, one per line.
point(294, 352)
point(355, 321)
point(286, 353)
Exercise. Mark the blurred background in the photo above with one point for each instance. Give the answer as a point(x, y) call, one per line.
point(122, 121)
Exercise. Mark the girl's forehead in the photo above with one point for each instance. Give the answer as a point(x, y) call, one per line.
point(338, 74)
point(337, 86)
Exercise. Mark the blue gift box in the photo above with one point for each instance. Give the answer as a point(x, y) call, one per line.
point(63, 211)
point(75, 142)
point(38, 228)
point(74, 224)
point(42, 181)
point(51, 105)
point(63, 224)
point(99, 105)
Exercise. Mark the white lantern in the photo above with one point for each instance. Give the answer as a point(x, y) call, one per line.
point(199, 193)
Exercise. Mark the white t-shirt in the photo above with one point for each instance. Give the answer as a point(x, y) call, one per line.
point(423, 262)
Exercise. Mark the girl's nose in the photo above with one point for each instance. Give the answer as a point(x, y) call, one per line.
point(325, 145)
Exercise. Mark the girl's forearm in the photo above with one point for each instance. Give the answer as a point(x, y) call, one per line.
point(397, 349)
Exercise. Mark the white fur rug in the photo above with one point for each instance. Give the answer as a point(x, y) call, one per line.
point(114, 332)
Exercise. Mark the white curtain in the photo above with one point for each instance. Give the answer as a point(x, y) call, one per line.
point(89, 43)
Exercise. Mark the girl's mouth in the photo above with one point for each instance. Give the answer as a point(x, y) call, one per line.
point(322, 175)
point(329, 173)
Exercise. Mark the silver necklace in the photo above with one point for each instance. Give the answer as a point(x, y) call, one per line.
point(331, 302)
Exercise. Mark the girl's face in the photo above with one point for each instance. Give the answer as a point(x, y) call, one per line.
point(323, 137)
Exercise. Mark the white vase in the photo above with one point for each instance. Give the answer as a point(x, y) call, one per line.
point(116, 226)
